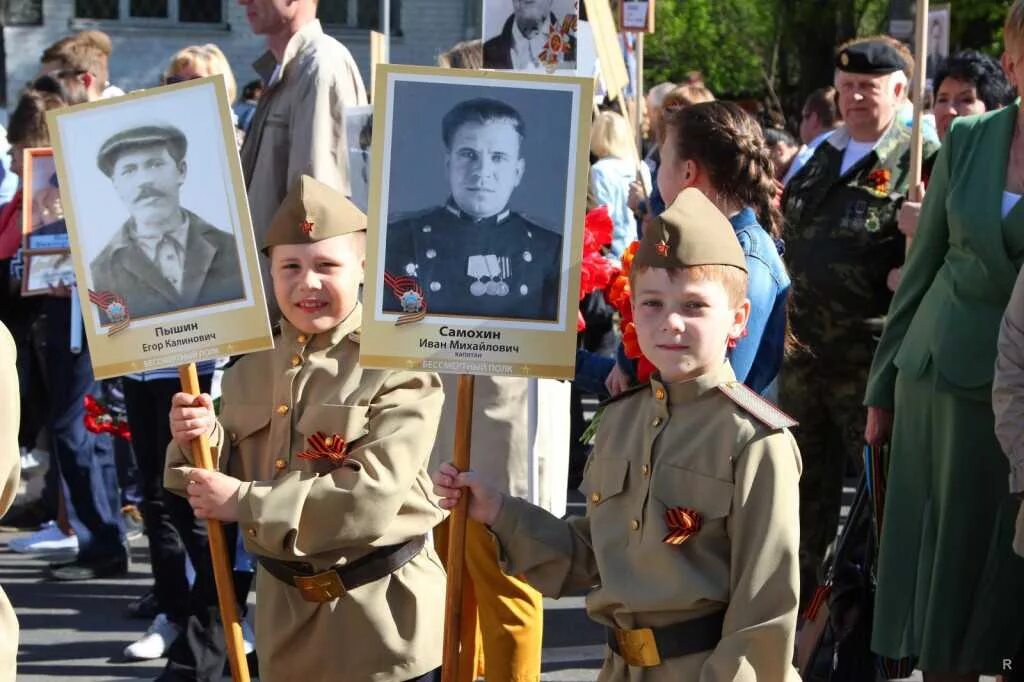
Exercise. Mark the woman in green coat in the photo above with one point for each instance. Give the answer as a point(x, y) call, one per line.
point(949, 585)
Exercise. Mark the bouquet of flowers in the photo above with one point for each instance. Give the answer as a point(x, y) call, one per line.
point(618, 294)
point(98, 419)
point(596, 270)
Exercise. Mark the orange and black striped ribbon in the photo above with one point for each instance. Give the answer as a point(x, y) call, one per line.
point(322, 446)
point(401, 285)
point(682, 523)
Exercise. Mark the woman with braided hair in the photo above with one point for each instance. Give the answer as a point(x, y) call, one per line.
point(719, 149)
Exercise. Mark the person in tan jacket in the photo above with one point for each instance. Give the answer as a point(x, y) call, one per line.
point(1008, 398)
point(10, 471)
point(324, 465)
point(298, 128)
point(688, 550)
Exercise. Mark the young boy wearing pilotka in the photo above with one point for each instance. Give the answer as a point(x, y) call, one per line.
point(689, 546)
point(325, 469)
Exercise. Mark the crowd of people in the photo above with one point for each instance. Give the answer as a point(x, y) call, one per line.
point(761, 265)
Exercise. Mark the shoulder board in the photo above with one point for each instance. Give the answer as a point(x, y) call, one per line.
point(759, 408)
point(355, 336)
point(625, 394)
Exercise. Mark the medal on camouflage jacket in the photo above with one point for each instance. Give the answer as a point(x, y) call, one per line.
point(872, 223)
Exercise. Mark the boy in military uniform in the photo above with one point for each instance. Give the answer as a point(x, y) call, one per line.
point(325, 469)
point(689, 546)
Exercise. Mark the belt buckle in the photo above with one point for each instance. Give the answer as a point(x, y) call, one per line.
point(637, 647)
point(322, 587)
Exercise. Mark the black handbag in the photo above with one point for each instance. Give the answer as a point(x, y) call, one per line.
point(837, 644)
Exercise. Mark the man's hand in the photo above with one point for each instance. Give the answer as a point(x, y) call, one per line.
point(879, 427)
point(213, 495)
point(892, 280)
point(484, 501)
point(191, 417)
point(910, 214)
point(636, 195)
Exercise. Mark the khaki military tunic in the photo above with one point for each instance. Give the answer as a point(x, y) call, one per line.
point(10, 469)
point(665, 446)
point(315, 511)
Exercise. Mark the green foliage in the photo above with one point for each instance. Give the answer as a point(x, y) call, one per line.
point(781, 50)
point(978, 25)
point(728, 41)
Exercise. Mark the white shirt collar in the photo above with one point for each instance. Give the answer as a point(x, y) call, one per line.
point(526, 51)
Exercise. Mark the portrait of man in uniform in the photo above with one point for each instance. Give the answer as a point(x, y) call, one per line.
point(164, 257)
point(471, 253)
point(530, 35)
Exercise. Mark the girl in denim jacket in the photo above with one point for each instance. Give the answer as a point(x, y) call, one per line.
point(719, 149)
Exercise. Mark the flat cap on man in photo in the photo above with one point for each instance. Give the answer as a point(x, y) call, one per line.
point(692, 231)
point(871, 57)
point(141, 136)
point(312, 212)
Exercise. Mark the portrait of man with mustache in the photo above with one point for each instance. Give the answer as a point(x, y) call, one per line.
point(473, 255)
point(164, 258)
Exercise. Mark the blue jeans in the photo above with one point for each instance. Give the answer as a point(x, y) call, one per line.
point(85, 459)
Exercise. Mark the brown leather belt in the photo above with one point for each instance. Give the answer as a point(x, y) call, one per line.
point(648, 647)
point(336, 581)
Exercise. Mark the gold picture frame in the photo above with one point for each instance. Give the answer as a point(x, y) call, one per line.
point(45, 248)
point(411, 105)
point(139, 313)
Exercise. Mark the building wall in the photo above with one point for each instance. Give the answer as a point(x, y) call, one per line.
point(141, 54)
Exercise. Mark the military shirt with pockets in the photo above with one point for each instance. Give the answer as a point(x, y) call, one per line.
point(328, 513)
point(678, 446)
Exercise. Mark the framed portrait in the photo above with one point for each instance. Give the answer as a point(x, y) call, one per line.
point(539, 36)
point(938, 38)
point(636, 16)
point(477, 201)
point(359, 133)
point(44, 232)
point(161, 238)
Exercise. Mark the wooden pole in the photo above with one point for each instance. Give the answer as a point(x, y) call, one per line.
point(457, 534)
point(916, 133)
point(640, 93)
point(203, 458)
point(378, 55)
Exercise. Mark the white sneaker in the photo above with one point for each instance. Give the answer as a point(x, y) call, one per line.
point(33, 459)
point(248, 638)
point(49, 539)
point(155, 643)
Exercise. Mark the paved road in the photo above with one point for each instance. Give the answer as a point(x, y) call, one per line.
point(76, 631)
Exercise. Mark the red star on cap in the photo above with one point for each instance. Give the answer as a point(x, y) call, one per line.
point(662, 248)
point(307, 226)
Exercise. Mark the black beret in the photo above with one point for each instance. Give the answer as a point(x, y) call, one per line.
point(142, 136)
point(874, 58)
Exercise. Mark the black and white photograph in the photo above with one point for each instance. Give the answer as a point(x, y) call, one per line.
point(533, 36)
point(46, 271)
point(158, 220)
point(938, 38)
point(359, 133)
point(479, 193)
